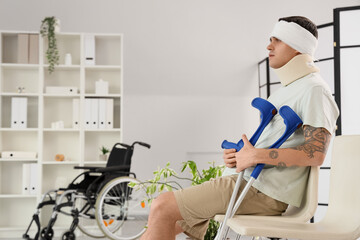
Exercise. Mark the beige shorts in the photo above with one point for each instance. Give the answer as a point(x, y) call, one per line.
point(200, 203)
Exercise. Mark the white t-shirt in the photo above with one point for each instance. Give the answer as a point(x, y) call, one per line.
point(311, 98)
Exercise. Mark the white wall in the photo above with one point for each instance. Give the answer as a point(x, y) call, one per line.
point(190, 65)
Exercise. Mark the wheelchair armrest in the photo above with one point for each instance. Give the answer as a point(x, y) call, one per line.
point(112, 169)
point(87, 168)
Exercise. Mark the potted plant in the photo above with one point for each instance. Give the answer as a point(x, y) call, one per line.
point(161, 182)
point(104, 151)
point(48, 29)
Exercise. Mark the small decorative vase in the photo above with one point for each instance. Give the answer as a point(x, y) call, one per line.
point(103, 157)
point(68, 59)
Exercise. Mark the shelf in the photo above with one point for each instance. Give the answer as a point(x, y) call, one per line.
point(10, 94)
point(107, 74)
point(78, 145)
point(102, 67)
point(61, 130)
point(20, 66)
point(17, 160)
point(61, 163)
point(16, 196)
point(64, 67)
point(19, 130)
point(77, 130)
point(15, 33)
point(103, 96)
point(58, 109)
point(32, 112)
point(15, 76)
point(66, 43)
point(103, 130)
point(61, 95)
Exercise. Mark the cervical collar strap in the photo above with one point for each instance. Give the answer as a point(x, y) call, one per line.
point(299, 66)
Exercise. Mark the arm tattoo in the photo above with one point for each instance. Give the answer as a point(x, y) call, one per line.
point(273, 154)
point(316, 140)
point(281, 164)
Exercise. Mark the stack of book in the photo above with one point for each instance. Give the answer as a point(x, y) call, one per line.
point(19, 112)
point(28, 48)
point(98, 113)
point(29, 181)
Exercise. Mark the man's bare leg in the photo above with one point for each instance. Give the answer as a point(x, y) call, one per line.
point(178, 229)
point(164, 213)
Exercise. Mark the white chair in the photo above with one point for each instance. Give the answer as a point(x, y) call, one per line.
point(342, 219)
point(302, 214)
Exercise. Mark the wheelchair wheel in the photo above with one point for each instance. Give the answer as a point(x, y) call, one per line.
point(68, 236)
point(87, 222)
point(122, 211)
point(46, 236)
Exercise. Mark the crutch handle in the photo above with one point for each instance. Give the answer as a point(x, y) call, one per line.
point(267, 112)
point(229, 145)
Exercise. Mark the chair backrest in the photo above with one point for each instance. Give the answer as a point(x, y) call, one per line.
point(310, 200)
point(344, 196)
point(120, 156)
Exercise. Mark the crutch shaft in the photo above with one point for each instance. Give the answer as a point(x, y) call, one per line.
point(234, 208)
point(242, 196)
point(230, 206)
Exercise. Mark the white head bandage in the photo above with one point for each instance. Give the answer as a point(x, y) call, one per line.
point(295, 36)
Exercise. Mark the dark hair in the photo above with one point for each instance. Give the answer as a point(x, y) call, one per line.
point(303, 22)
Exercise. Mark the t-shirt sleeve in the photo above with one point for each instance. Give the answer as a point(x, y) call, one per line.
point(319, 109)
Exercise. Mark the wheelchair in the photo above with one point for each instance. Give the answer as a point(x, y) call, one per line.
point(102, 201)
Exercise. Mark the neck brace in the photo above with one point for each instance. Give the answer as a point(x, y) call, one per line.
point(298, 67)
point(296, 37)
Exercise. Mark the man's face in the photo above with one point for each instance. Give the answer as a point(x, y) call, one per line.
point(280, 53)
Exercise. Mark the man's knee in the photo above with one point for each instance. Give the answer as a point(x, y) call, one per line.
point(165, 205)
point(162, 202)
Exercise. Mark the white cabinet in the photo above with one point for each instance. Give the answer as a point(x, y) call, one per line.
point(50, 116)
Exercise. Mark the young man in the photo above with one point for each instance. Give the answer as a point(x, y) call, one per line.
point(283, 180)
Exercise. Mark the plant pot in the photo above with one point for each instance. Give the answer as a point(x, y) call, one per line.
point(103, 157)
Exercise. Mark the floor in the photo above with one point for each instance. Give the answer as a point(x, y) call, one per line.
point(231, 236)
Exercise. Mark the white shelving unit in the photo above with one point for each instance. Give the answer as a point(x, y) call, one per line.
point(80, 146)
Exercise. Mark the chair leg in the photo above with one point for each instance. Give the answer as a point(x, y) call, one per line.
point(256, 238)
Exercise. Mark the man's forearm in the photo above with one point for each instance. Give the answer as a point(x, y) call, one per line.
point(287, 157)
point(311, 153)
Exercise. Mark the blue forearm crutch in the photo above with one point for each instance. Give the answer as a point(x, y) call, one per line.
point(267, 112)
point(292, 122)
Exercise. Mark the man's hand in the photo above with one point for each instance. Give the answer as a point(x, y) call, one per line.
point(246, 156)
point(229, 158)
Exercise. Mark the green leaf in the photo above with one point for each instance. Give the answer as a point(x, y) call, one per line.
point(169, 188)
